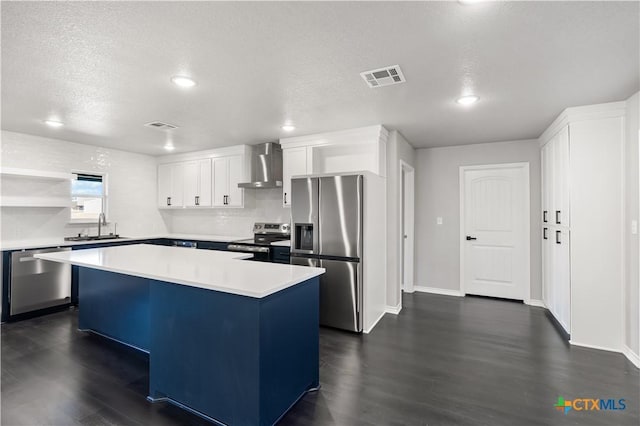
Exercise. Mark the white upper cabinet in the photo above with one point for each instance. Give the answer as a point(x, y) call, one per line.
point(353, 150)
point(555, 179)
point(294, 162)
point(228, 172)
point(204, 179)
point(171, 185)
point(197, 183)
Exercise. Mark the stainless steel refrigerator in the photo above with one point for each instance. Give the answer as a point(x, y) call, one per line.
point(327, 226)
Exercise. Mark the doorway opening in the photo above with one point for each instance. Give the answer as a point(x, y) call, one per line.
point(407, 226)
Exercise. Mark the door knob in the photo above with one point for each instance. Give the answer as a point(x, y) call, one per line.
point(471, 238)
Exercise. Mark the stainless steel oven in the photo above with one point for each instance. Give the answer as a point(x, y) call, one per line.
point(260, 245)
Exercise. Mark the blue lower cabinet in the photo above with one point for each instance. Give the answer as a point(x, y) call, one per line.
point(116, 306)
point(281, 254)
point(74, 269)
point(161, 242)
point(212, 245)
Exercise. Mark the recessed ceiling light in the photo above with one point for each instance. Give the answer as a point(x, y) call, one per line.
point(169, 147)
point(53, 123)
point(467, 100)
point(470, 1)
point(182, 81)
point(288, 128)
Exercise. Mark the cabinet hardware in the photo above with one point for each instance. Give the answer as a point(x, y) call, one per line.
point(469, 238)
point(544, 233)
point(558, 237)
point(557, 217)
point(225, 200)
point(197, 200)
point(285, 198)
point(168, 201)
point(544, 216)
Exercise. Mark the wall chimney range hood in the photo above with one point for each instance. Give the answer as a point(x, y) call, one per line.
point(266, 166)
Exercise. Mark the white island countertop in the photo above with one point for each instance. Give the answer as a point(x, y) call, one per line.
point(208, 269)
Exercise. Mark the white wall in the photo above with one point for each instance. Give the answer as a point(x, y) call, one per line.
point(631, 196)
point(131, 187)
point(262, 205)
point(437, 195)
point(397, 149)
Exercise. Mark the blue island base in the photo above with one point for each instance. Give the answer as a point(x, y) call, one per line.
point(232, 359)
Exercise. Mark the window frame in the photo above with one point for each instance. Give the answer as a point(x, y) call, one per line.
point(105, 196)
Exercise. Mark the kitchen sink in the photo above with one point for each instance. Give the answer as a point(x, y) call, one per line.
point(93, 237)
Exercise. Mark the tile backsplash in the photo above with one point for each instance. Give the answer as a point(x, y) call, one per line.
point(262, 205)
point(131, 195)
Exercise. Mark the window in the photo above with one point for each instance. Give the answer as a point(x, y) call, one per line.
point(88, 197)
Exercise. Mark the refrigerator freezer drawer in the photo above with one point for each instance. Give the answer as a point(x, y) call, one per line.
point(340, 292)
point(341, 295)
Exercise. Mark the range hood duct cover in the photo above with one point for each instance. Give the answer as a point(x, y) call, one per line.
point(266, 166)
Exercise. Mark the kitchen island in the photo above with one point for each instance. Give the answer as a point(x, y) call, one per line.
point(235, 341)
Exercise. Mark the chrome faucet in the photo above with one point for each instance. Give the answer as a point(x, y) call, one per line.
point(102, 220)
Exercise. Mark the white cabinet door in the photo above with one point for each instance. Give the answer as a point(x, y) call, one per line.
point(164, 185)
point(562, 278)
point(561, 172)
point(235, 176)
point(228, 172)
point(294, 162)
point(547, 182)
point(191, 178)
point(170, 185)
point(220, 181)
point(177, 185)
point(204, 183)
point(547, 267)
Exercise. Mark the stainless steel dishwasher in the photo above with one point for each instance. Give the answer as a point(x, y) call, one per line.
point(36, 283)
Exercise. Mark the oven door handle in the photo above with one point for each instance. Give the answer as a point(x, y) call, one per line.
point(247, 249)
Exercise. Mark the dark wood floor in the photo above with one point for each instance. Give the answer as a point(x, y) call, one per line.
point(442, 361)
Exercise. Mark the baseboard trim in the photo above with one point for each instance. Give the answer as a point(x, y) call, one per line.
point(395, 310)
point(631, 355)
point(536, 302)
point(601, 348)
point(368, 330)
point(434, 290)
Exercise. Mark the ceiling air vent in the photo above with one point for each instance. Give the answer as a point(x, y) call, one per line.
point(383, 76)
point(161, 126)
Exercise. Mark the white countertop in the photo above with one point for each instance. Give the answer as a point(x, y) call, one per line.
point(284, 243)
point(208, 269)
point(60, 242)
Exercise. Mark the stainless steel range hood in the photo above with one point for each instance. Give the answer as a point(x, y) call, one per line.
point(266, 167)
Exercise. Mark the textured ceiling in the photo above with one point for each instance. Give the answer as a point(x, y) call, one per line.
point(103, 68)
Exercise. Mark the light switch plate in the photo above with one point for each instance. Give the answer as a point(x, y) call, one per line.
point(634, 227)
point(439, 220)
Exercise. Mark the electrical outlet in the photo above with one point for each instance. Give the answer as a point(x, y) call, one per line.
point(634, 227)
point(439, 220)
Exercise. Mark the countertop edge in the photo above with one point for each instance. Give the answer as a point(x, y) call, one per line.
point(35, 244)
point(240, 258)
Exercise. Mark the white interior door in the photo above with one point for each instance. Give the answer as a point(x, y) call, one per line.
point(408, 178)
point(495, 224)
